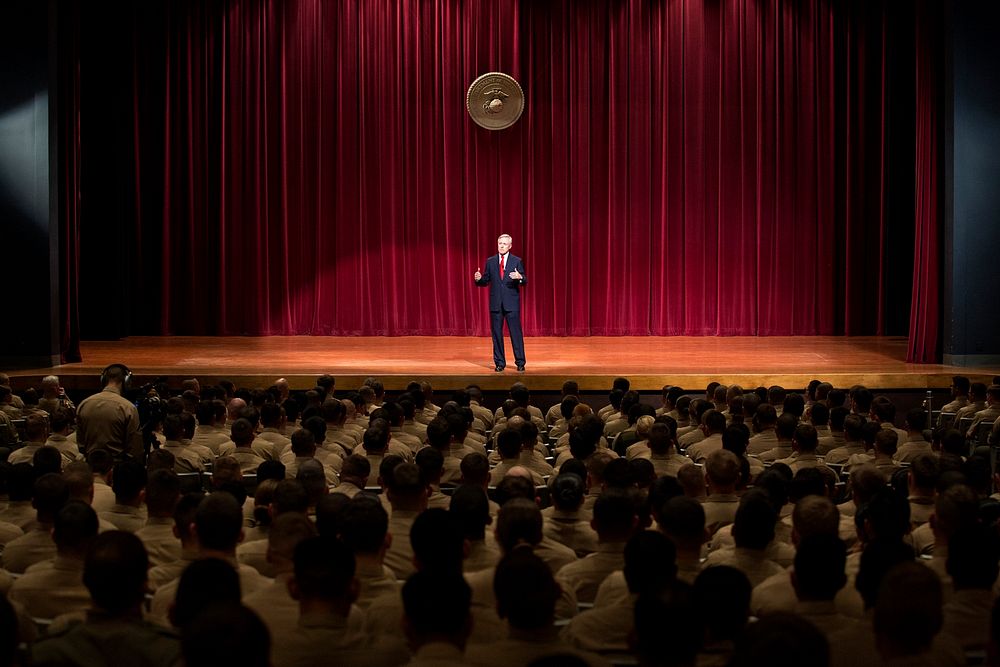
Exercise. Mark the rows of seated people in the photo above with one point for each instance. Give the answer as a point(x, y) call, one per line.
point(735, 527)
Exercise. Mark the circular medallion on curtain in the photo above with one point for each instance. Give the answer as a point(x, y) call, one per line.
point(495, 100)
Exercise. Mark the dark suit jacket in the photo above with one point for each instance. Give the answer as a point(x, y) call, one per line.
point(504, 294)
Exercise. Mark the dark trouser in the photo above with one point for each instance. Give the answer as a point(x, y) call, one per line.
point(516, 337)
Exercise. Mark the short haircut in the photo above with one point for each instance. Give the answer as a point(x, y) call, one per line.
point(406, 481)
point(303, 442)
point(753, 527)
point(784, 426)
point(203, 583)
point(475, 468)
point(519, 521)
point(439, 433)
point(290, 496)
point(908, 609)
point(819, 567)
point(925, 471)
point(356, 465)
point(650, 562)
point(471, 507)
point(364, 523)
point(819, 414)
point(887, 441)
point(437, 603)
point(324, 568)
point(75, 526)
point(287, 531)
point(330, 512)
point(509, 443)
point(162, 492)
point(722, 467)
point(667, 629)
point(782, 639)
point(815, 515)
point(270, 470)
point(614, 512)
point(437, 541)
point(50, 494)
point(722, 598)
point(431, 464)
point(525, 590)
point(714, 421)
point(47, 459)
point(114, 571)
point(219, 520)
point(806, 437)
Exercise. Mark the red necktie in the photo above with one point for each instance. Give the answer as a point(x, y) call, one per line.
point(501, 267)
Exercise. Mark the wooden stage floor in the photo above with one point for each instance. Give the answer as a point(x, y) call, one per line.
point(450, 362)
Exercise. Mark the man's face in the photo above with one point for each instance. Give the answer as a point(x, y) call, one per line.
point(503, 244)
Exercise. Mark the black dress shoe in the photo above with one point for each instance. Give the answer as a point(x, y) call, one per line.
point(499, 369)
point(520, 369)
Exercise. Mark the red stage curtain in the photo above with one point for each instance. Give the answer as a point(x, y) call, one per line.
point(925, 312)
point(683, 167)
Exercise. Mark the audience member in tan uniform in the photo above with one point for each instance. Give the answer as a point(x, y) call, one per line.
point(818, 577)
point(509, 446)
point(209, 431)
point(565, 521)
point(271, 441)
point(114, 631)
point(273, 602)
point(163, 490)
point(913, 444)
point(243, 436)
point(304, 449)
point(431, 464)
point(364, 527)
point(218, 528)
point(60, 430)
point(470, 507)
point(54, 587)
point(325, 587)
point(765, 438)
point(956, 510)
point(186, 458)
point(722, 604)
point(972, 564)
point(753, 531)
point(713, 425)
point(526, 596)
point(290, 496)
point(440, 435)
point(353, 476)
point(614, 520)
point(408, 496)
point(128, 480)
point(853, 441)
point(649, 568)
point(437, 621)
point(108, 419)
point(36, 431)
point(36, 545)
point(722, 474)
point(184, 514)
point(784, 431)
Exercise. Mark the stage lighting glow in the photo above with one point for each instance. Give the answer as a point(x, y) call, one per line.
point(24, 130)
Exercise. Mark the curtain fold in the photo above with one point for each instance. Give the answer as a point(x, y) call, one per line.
point(682, 167)
point(925, 309)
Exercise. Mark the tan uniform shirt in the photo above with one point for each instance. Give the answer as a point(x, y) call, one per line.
point(399, 557)
point(751, 562)
point(523, 648)
point(328, 639)
point(69, 449)
point(103, 640)
point(251, 581)
point(125, 517)
point(602, 629)
point(158, 537)
point(720, 510)
point(585, 575)
point(51, 588)
point(571, 529)
point(34, 546)
point(107, 419)
point(699, 451)
point(764, 441)
point(912, 447)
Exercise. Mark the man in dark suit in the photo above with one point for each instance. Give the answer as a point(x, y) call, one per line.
point(504, 275)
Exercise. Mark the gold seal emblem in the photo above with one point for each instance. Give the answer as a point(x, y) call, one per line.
point(495, 101)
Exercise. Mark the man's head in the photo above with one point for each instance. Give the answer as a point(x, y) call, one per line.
point(504, 243)
point(218, 523)
point(819, 567)
point(364, 524)
point(436, 609)
point(525, 590)
point(114, 572)
point(74, 529)
point(722, 471)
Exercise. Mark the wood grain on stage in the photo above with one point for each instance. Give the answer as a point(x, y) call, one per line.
point(448, 362)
